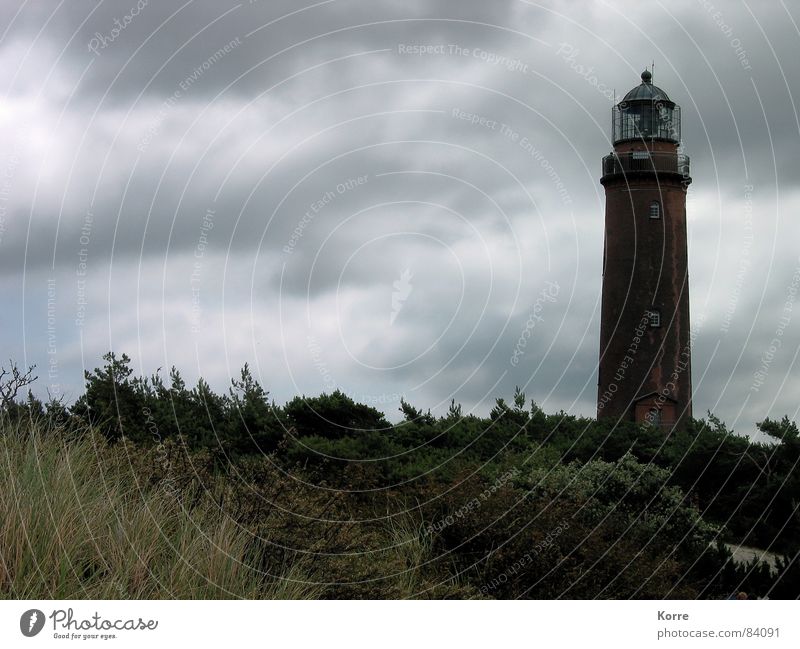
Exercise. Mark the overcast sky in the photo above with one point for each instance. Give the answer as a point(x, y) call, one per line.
point(377, 195)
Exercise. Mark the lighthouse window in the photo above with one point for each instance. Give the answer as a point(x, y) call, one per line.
point(654, 317)
point(655, 210)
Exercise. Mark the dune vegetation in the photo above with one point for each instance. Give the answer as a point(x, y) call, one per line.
point(147, 488)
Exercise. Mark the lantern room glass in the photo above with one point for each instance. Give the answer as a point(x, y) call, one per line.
point(636, 120)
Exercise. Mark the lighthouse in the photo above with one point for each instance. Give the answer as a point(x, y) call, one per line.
point(644, 373)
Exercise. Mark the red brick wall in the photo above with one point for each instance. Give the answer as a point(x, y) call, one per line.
point(645, 265)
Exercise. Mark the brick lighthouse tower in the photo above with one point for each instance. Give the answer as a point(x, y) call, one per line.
point(645, 357)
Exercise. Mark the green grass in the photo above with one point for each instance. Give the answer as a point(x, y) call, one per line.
point(76, 523)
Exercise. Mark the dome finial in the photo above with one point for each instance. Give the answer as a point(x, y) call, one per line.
point(647, 76)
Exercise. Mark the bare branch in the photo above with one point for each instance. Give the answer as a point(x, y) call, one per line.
point(12, 381)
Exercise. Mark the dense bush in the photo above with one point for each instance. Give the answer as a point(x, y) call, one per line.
point(519, 503)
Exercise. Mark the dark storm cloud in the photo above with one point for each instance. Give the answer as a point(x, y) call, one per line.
point(200, 161)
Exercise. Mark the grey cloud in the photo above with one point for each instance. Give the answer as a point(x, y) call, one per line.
point(95, 124)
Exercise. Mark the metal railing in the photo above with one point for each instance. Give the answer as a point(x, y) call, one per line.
point(640, 161)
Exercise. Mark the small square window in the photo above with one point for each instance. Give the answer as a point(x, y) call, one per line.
point(655, 210)
point(654, 317)
point(641, 155)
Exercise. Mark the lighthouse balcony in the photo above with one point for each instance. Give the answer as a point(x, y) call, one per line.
point(646, 162)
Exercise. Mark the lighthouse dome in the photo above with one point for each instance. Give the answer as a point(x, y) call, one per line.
point(646, 91)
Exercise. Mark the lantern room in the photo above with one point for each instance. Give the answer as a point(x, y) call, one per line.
point(646, 113)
